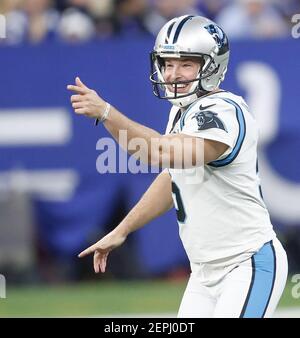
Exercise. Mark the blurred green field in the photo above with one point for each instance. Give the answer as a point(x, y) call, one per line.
point(103, 299)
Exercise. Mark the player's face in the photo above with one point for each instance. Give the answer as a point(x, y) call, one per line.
point(183, 69)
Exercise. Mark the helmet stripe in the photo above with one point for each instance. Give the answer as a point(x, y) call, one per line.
point(179, 27)
point(169, 32)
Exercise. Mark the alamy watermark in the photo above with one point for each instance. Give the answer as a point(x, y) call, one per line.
point(2, 26)
point(2, 287)
point(296, 288)
point(183, 155)
point(296, 27)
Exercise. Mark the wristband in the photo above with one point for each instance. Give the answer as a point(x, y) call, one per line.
point(105, 114)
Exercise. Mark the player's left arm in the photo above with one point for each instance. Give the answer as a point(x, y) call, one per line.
point(171, 151)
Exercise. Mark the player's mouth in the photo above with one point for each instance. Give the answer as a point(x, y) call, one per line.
point(181, 87)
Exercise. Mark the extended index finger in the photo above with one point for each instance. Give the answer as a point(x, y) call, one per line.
point(87, 251)
point(79, 90)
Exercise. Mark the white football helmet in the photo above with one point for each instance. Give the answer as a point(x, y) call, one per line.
point(194, 36)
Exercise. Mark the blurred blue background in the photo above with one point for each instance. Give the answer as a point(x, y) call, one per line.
point(53, 202)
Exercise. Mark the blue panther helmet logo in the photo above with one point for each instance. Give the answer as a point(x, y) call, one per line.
point(208, 119)
point(219, 36)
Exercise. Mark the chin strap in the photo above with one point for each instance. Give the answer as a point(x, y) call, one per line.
point(202, 93)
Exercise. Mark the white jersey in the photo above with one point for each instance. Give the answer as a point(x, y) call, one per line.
point(223, 216)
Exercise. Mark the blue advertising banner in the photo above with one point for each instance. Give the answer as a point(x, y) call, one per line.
point(51, 153)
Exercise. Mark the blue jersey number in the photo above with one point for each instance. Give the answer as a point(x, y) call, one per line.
point(181, 215)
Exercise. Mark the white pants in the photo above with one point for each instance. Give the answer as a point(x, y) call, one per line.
point(251, 289)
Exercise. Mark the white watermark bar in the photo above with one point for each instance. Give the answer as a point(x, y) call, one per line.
point(296, 27)
point(183, 155)
point(2, 26)
point(2, 287)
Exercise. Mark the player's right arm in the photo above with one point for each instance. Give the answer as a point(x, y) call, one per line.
point(155, 202)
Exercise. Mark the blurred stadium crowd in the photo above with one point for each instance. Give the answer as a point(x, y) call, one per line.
point(76, 21)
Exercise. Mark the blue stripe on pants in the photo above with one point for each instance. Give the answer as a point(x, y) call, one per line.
point(262, 282)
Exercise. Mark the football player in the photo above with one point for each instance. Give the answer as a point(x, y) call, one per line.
point(238, 266)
